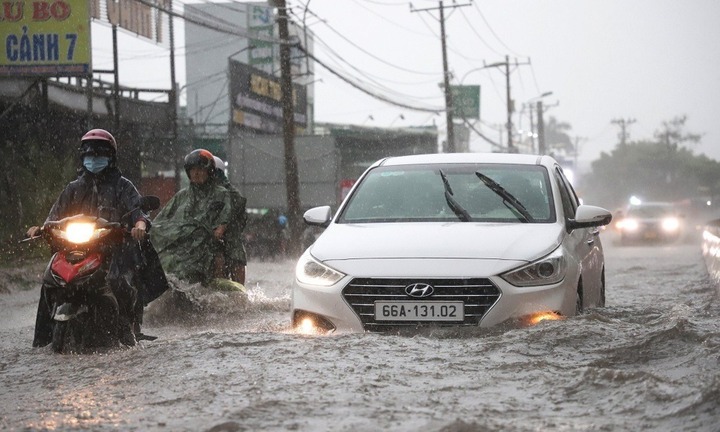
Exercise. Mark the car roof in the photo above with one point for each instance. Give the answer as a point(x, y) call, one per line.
point(653, 204)
point(462, 158)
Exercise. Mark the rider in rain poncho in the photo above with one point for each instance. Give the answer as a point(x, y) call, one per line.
point(101, 190)
point(189, 231)
point(234, 253)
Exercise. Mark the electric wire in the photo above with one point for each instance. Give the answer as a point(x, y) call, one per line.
point(197, 20)
point(362, 89)
point(371, 78)
point(472, 28)
point(493, 32)
point(369, 53)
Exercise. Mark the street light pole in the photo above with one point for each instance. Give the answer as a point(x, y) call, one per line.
point(540, 125)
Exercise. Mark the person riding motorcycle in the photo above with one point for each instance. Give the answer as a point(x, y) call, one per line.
point(189, 231)
point(234, 256)
point(100, 190)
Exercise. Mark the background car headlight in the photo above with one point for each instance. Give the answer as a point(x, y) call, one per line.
point(670, 224)
point(628, 225)
point(545, 271)
point(311, 272)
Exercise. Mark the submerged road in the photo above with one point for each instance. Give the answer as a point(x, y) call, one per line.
point(649, 361)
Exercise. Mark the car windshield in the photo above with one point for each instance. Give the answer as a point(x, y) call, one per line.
point(417, 193)
point(650, 211)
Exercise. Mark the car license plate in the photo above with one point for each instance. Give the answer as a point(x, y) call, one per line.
point(419, 311)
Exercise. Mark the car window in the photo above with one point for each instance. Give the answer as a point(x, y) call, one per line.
point(567, 195)
point(650, 211)
point(417, 193)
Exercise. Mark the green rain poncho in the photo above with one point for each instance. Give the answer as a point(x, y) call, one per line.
point(234, 237)
point(183, 230)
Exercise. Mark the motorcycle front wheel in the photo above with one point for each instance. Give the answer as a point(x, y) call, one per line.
point(59, 336)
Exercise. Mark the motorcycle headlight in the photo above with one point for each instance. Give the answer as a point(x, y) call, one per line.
point(79, 232)
point(311, 272)
point(545, 271)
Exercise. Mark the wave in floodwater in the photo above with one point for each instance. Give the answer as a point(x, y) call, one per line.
point(196, 305)
point(649, 361)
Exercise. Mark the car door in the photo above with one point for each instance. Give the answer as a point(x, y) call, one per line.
point(583, 242)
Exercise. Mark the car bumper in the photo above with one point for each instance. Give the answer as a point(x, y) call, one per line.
point(512, 302)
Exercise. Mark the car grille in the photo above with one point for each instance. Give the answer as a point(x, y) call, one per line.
point(478, 296)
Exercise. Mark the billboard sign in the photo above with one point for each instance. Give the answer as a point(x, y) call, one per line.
point(261, 23)
point(45, 38)
point(466, 101)
point(143, 19)
point(257, 100)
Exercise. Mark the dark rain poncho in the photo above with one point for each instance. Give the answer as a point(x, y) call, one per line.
point(234, 236)
point(183, 230)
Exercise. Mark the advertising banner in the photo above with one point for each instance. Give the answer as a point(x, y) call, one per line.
point(45, 38)
point(145, 19)
point(257, 100)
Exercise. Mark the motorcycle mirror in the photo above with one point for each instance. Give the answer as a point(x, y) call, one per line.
point(149, 202)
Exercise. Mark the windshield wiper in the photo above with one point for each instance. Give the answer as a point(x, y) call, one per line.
point(459, 211)
point(507, 197)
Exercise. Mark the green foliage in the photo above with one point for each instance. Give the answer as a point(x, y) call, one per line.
point(557, 136)
point(652, 170)
point(31, 179)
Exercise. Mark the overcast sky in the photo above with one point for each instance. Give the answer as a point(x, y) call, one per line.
point(646, 60)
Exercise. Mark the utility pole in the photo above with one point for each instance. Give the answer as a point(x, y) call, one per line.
point(173, 100)
point(446, 74)
point(446, 86)
point(511, 147)
point(532, 129)
point(510, 105)
point(292, 182)
point(541, 129)
point(624, 134)
point(576, 150)
point(116, 82)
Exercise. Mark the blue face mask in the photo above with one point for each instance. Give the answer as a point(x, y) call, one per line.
point(95, 164)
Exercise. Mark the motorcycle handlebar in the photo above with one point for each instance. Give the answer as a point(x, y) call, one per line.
point(147, 203)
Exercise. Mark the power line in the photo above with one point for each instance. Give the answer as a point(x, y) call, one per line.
point(359, 87)
point(472, 27)
point(244, 34)
point(367, 52)
point(493, 32)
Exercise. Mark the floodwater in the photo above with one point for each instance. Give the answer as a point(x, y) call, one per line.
point(648, 361)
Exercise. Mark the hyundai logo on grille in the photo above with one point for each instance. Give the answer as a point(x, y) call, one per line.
point(419, 290)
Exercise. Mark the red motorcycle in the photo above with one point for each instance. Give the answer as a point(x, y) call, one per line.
point(75, 280)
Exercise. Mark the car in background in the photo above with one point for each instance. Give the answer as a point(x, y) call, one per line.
point(451, 240)
point(650, 222)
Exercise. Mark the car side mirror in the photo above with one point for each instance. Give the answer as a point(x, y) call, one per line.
point(587, 216)
point(318, 216)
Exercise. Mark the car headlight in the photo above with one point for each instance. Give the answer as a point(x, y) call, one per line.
point(628, 225)
point(545, 271)
point(670, 224)
point(311, 272)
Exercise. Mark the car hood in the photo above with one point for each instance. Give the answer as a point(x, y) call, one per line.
point(456, 240)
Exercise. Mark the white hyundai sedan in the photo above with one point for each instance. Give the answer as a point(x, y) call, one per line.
point(465, 239)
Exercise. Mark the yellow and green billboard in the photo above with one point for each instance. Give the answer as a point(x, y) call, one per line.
point(45, 38)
